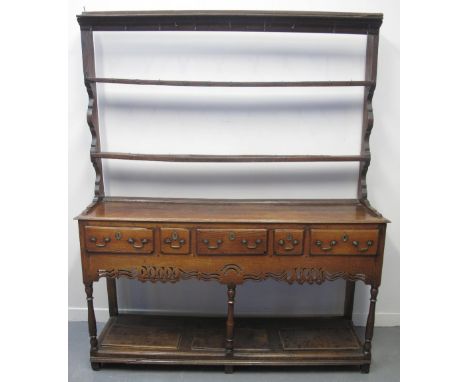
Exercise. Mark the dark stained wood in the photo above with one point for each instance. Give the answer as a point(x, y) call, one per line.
point(261, 341)
point(230, 211)
point(346, 241)
point(368, 113)
point(229, 84)
point(349, 300)
point(112, 297)
point(231, 241)
point(119, 239)
point(229, 347)
point(92, 115)
point(322, 202)
point(232, 21)
point(318, 339)
point(140, 333)
point(370, 321)
point(288, 242)
point(230, 158)
point(175, 241)
point(91, 317)
point(212, 338)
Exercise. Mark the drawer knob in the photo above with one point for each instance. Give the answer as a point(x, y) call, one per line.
point(106, 240)
point(369, 244)
point(135, 245)
point(246, 244)
point(216, 246)
point(174, 240)
point(289, 243)
point(332, 243)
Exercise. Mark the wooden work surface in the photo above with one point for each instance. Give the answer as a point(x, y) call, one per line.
point(231, 211)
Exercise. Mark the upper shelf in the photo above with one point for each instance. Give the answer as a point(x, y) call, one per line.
point(235, 21)
point(230, 84)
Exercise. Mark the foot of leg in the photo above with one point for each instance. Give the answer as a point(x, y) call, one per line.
point(365, 368)
point(228, 369)
point(96, 366)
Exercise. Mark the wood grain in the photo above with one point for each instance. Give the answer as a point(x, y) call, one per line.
point(229, 158)
point(119, 239)
point(228, 84)
point(230, 211)
point(232, 21)
point(168, 240)
point(261, 341)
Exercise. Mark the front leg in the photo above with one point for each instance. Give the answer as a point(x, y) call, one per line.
point(370, 328)
point(91, 321)
point(231, 292)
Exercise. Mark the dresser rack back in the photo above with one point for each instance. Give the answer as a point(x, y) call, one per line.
point(231, 21)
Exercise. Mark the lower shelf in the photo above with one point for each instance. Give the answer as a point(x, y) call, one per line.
point(142, 339)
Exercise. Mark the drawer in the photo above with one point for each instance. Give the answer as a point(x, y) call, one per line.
point(175, 241)
point(344, 241)
point(231, 241)
point(289, 241)
point(119, 239)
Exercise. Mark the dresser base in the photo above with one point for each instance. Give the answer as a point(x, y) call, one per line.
point(143, 339)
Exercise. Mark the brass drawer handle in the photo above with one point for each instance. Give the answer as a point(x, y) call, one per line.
point(369, 244)
point(289, 243)
point(246, 244)
point(319, 243)
point(106, 240)
point(135, 245)
point(174, 241)
point(218, 244)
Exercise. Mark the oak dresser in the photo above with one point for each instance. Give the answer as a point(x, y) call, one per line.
point(231, 241)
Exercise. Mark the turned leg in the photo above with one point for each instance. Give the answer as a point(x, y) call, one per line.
point(370, 328)
point(112, 297)
point(349, 300)
point(91, 322)
point(231, 292)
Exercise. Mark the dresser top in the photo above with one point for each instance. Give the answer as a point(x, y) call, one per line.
point(246, 13)
point(251, 21)
point(349, 211)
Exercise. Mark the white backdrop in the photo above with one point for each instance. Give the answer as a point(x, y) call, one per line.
point(222, 121)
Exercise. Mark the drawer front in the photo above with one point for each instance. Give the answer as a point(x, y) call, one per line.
point(119, 239)
point(344, 241)
point(231, 241)
point(289, 241)
point(175, 241)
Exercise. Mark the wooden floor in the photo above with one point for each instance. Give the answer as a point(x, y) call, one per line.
point(140, 339)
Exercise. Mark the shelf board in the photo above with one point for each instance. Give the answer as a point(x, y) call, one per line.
point(144, 339)
point(229, 84)
point(229, 158)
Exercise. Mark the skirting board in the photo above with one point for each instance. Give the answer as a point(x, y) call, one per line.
point(102, 315)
